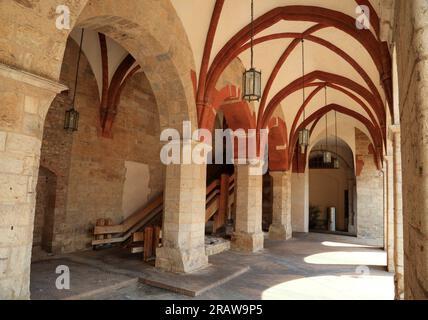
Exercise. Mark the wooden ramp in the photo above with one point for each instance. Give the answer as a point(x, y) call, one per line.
point(142, 231)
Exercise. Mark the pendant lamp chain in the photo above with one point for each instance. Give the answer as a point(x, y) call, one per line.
point(252, 34)
point(71, 121)
point(326, 122)
point(77, 67)
point(252, 79)
point(303, 77)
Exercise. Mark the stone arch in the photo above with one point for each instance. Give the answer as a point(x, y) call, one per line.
point(333, 187)
point(160, 45)
point(319, 113)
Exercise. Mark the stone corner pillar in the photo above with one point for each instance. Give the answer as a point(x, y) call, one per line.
point(183, 234)
point(248, 235)
point(281, 212)
point(398, 215)
point(389, 212)
point(300, 202)
point(25, 100)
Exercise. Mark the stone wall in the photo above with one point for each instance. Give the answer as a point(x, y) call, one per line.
point(370, 201)
point(25, 101)
point(411, 42)
point(91, 169)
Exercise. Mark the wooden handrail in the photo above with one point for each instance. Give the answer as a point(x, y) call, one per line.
point(132, 220)
point(137, 220)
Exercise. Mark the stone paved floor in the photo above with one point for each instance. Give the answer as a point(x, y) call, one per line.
point(310, 266)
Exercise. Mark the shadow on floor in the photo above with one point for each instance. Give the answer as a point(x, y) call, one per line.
point(310, 266)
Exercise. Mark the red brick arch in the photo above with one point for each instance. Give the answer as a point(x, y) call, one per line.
point(325, 77)
point(316, 116)
point(341, 89)
point(319, 15)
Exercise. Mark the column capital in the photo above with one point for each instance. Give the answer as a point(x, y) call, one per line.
point(31, 79)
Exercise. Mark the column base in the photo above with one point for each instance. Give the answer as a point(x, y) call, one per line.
point(247, 242)
point(181, 261)
point(279, 232)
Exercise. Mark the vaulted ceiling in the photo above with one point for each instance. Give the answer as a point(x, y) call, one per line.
point(351, 63)
point(347, 71)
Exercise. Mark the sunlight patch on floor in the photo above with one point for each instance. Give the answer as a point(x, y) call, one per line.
point(348, 258)
point(345, 287)
point(343, 245)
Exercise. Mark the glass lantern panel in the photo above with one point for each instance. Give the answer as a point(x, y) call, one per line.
point(249, 83)
point(327, 157)
point(257, 83)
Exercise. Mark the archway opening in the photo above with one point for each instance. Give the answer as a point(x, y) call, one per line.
point(45, 211)
point(332, 189)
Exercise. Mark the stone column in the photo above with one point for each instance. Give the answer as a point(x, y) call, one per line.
point(398, 216)
point(25, 99)
point(248, 235)
point(281, 211)
point(370, 194)
point(412, 63)
point(300, 202)
point(183, 234)
point(389, 225)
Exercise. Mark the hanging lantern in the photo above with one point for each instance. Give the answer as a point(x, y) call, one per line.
point(326, 153)
point(327, 157)
point(71, 121)
point(252, 85)
point(303, 139)
point(336, 164)
point(304, 134)
point(252, 79)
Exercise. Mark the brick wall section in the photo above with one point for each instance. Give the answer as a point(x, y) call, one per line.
point(370, 209)
point(412, 55)
point(90, 169)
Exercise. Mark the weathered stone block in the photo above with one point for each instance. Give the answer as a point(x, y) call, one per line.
point(3, 141)
point(247, 242)
point(10, 111)
point(181, 261)
point(31, 105)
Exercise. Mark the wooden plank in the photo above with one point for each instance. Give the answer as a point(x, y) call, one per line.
point(223, 199)
point(156, 239)
point(138, 237)
point(139, 215)
point(99, 223)
point(212, 186)
point(148, 243)
point(131, 231)
point(100, 230)
point(107, 241)
point(134, 250)
point(212, 196)
point(109, 222)
point(211, 210)
point(132, 220)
